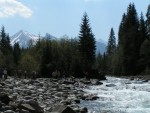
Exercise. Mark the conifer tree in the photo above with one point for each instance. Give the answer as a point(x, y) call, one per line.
point(46, 59)
point(128, 37)
point(142, 31)
point(122, 30)
point(142, 37)
point(111, 47)
point(148, 21)
point(87, 46)
point(3, 39)
point(16, 53)
point(144, 62)
point(5, 42)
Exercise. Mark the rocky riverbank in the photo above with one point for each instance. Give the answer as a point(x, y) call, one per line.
point(44, 95)
point(136, 77)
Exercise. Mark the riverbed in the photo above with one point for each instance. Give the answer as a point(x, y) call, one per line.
point(119, 95)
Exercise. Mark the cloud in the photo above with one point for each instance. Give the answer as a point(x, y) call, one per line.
point(9, 8)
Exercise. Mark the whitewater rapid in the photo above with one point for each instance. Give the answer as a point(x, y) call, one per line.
point(122, 96)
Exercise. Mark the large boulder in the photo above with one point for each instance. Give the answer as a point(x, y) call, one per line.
point(110, 85)
point(9, 111)
point(96, 82)
point(31, 108)
point(84, 110)
point(62, 109)
point(4, 98)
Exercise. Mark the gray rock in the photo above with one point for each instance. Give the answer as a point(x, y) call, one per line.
point(32, 109)
point(9, 111)
point(66, 102)
point(23, 111)
point(62, 109)
point(4, 98)
point(77, 101)
point(28, 97)
point(33, 103)
point(96, 82)
point(110, 85)
point(84, 110)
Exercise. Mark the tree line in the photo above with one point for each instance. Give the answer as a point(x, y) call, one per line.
point(130, 56)
point(77, 56)
point(69, 56)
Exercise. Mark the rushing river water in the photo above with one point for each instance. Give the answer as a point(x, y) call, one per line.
point(122, 96)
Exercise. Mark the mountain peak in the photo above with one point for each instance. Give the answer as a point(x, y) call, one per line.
point(23, 37)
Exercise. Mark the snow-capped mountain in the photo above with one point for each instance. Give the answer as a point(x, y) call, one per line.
point(23, 38)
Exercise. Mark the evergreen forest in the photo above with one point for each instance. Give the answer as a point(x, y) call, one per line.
point(129, 55)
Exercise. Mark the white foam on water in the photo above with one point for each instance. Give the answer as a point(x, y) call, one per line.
point(125, 96)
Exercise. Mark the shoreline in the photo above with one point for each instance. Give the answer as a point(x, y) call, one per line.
point(43, 95)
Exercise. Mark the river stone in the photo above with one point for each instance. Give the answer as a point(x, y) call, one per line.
point(96, 82)
point(77, 101)
point(84, 110)
point(59, 94)
point(87, 82)
point(77, 110)
point(9, 111)
point(23, 111)
point(62, 109)
point(66, 102)
point(68, 82)
point(33, 103)
point(32, 109)
point(4, 98)
point(110, 85)
point(2, 83)
point(8, 107)
point(11, 86)
point(1, 104)
point(29, 92)
point(145, 80)
point(28, 97)
point(13, 105)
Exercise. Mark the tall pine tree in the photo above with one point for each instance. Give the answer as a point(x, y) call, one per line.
point(142, 31)
point(87, 45)
point(16, 53)
point(148, 21)
point(46, 60)
point(5, 42)
point(144, 62)
point(111, 47)
point(122, 30)
point(128, 44)
point(141, 44)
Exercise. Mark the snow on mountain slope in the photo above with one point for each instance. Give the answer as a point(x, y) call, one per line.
point(23, 38)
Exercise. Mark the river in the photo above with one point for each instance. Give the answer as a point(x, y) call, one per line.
point(119, 95)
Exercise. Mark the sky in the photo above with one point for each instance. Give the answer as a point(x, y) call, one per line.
point(63, 17)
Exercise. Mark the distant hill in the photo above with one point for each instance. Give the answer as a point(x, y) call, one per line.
point(100, 46)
